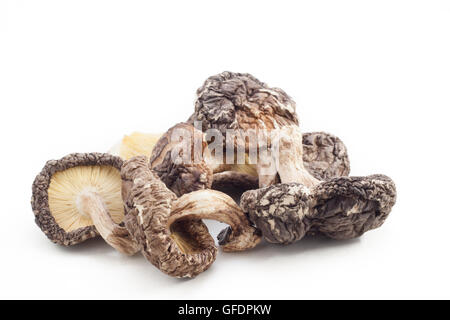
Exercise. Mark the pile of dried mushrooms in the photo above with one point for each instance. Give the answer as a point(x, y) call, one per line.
point(150, 193)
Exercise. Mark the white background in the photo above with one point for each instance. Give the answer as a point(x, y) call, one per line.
point(75, 76)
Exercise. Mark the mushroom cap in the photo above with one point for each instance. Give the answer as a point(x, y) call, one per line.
point(49, 185)
point(340, 208)
point(240, 101)
point(182, 249)
point(325, 155)
point(181, 177)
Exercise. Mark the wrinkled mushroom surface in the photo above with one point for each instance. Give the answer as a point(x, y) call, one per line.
point(78, 197)
point(180, 249)
point(169, 230)
point(190, 172)
point(325, 155)
point(340, 208)
point(239, 101)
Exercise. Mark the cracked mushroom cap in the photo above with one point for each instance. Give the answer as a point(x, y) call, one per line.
point(178, 248)
point(340, 208)
point(240, 101)
point(189, 172)
point(325, 155)
point(58, 190)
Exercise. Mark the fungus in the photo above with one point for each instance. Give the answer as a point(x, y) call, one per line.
point(168, 229)
point(345, 207)
point(239, 101)
point(78, 197)
point(340, 208)
point(325, 155)
point(178, 158)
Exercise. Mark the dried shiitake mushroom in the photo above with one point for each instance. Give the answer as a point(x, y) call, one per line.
point(239, 101)
point(168, 229)
point(340, 208)
point(325, 155)
point(78, 197)
point(180, 160)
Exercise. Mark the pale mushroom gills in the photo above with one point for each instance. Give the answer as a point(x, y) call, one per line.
point(79, 196)
point(72, 192)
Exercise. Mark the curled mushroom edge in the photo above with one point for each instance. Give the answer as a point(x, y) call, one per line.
point(78, 197)
point(215, 205)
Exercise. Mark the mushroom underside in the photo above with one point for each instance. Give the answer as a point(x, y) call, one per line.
point(58, 189)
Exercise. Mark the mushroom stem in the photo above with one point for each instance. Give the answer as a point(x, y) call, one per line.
point(92, 205)
point(210, 204)
point(290, 166)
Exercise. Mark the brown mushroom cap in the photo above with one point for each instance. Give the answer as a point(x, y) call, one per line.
point(340, 208)
point(240, 101)
point(325, 155)
point(67, 190)
point(178, 248)
point(185, 176)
